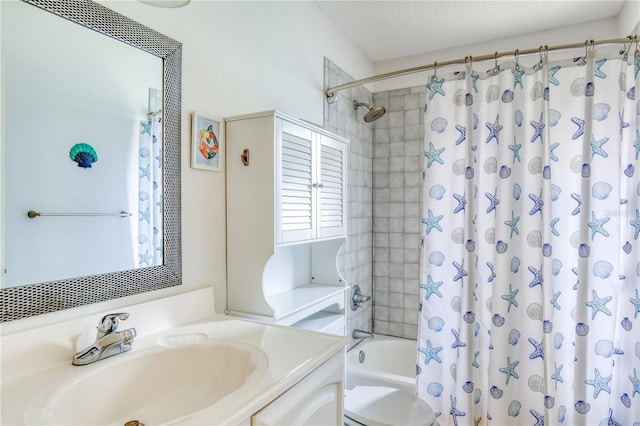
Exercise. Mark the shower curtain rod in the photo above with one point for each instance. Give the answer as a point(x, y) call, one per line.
point(330, 93)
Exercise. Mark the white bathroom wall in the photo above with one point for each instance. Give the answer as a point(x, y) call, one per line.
point(237, 57)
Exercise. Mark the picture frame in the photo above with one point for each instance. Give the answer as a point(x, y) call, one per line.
point(207, 142)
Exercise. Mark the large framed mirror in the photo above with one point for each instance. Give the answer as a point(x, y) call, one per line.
point(26, 298)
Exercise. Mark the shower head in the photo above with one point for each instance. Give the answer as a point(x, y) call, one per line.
point(373, 114)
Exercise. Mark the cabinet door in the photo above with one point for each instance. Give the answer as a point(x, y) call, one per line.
point(332, 188)
point(315, 400)
point(295, 179)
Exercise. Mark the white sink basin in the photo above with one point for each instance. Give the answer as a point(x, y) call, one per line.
point(154, 386)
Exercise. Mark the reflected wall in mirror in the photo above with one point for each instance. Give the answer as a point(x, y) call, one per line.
point(106, 107)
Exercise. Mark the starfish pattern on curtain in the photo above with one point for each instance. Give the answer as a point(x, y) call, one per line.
point(530, 273)
point(150, 244)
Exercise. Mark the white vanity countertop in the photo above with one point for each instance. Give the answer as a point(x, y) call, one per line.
point(291, 354)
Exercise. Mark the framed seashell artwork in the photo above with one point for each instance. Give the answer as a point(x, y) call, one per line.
point(207, 136)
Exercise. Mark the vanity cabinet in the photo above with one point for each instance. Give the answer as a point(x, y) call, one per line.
point(315, 400)
point(286, 221)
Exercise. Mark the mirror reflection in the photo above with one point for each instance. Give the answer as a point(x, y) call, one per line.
point(91, 124)
point(78, 142)
point(82, 143)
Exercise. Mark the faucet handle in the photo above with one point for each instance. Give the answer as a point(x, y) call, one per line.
point(109, 322)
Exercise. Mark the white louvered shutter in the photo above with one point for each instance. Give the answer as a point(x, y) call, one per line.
point(332, 189)
point(296, 196)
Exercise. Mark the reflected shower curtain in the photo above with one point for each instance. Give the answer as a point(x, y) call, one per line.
point(150, 192)
point(530, 276)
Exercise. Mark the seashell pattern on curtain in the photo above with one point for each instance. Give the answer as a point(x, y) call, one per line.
point(530, 272)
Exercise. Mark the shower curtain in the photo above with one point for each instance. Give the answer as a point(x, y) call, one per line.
point(530, 274)
point(150, 192)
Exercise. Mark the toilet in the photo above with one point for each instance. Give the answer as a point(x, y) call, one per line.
point(383, 406)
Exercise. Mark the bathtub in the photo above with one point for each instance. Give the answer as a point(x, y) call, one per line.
point(388, 361)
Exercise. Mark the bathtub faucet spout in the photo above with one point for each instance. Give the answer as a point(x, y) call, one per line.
point(361, 334)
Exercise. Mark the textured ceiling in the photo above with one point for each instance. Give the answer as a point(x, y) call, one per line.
point(396, 28)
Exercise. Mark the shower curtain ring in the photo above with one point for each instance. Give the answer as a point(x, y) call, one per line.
point(496, 68)
point(517, 56)
point(434, 77)
point(587, 43)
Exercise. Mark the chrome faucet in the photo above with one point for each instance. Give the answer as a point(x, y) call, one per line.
point(361, 334)
point(108, 342)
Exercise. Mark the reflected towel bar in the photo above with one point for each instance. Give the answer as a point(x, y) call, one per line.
point(33, 214)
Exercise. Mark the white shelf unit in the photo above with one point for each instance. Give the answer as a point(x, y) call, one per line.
point(286, 221)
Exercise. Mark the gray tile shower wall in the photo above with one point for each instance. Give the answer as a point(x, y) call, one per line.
point(356, 260)
point(397, 170)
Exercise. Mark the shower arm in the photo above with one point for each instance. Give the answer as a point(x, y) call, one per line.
point(331, 92)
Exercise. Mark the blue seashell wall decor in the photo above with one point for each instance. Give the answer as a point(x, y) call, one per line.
point(83, 154)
